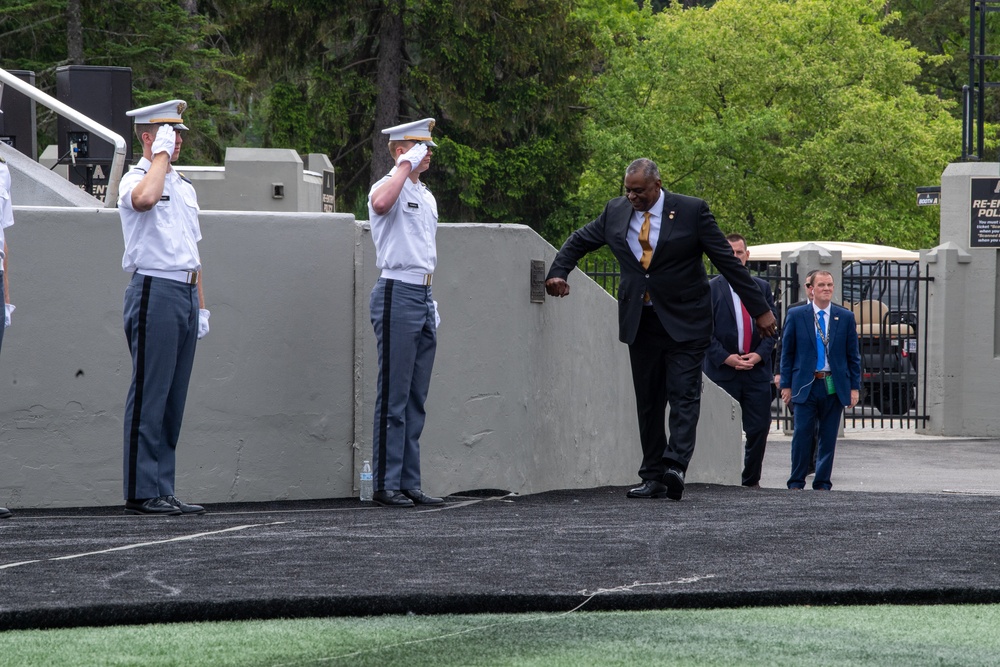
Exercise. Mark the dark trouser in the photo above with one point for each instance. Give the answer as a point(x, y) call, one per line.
point(161, 327)
point(821, 411)
point(403, 317)
point(665, 370)
point(754, 397)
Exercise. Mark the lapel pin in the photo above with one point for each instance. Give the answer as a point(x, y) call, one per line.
point(671, 216)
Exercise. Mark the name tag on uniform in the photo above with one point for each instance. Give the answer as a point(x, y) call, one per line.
point(165, 198)
point(413, 204)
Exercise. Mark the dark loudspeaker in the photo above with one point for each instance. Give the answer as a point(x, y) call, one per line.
point(103, 94)
point(18, 126)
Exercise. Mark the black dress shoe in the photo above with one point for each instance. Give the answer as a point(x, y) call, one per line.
point(185, 508)
point(391, 499)
point(674, 481)
point(649, 489)
point(5, 513)
point(420, 498)
point(155, 506)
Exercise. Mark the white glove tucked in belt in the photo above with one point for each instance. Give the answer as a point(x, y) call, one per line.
point(8, 309)
point(203, 316)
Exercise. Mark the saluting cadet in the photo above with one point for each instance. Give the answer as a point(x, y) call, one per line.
point(164, 308)
point(403, 216)
point(6, 220)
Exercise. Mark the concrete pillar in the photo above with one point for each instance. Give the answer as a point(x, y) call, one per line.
point(962, 361)
point(944, 353)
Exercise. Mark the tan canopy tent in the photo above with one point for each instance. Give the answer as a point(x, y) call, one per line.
point(850, 252)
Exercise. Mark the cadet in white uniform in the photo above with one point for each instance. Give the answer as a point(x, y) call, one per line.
point(6, 220)
point(164, 308)
point(403, 215)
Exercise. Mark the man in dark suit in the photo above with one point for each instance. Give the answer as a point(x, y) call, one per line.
point(664, 310)
point(820, 375)
point(739, 361)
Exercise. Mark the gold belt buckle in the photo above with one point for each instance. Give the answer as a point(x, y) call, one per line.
point(428, 279)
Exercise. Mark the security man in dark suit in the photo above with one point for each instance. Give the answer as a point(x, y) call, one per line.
point(664, 310)
point(739, 361)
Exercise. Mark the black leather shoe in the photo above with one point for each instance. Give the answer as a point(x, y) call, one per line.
point(649, 489)
point(420, 498)
point(5, 513)
point(185, 508)
point(391, 499)
point(156, 506)
point(674, 481)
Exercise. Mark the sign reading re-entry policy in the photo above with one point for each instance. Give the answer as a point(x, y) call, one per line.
point(985, 229)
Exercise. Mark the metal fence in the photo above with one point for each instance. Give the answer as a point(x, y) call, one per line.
point(887, 298)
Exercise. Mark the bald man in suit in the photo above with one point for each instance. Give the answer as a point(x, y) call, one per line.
point(664, 310)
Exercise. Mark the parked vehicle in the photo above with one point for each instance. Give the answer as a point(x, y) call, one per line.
point(881, 286)
point(884, 295)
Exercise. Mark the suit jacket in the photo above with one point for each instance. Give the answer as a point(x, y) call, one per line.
point(676, 278)
point(725, 339)
point(798, 352)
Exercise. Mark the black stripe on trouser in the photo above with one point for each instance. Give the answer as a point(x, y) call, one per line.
point(140, 377)
point(383, 423)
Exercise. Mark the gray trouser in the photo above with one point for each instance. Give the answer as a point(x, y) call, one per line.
point(161, 327)
point(403, 318)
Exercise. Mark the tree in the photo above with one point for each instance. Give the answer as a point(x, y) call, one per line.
point(796, 120)
point(171, 52)
point(502, 78)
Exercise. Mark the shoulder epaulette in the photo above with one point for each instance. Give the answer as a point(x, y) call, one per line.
point(2, 161)
point(183, 177)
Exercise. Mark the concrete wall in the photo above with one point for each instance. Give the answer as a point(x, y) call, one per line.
point(525, 397)
point(35, 185)
point(962, 322)
point(247, 181)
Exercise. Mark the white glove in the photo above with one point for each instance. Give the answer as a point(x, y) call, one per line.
point(437, 315)
point(413, 156)
point(166, 139)
point(203, 316)
point(8, 309)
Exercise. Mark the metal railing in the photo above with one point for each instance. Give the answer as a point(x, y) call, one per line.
point(46, 100)
point(886, 298)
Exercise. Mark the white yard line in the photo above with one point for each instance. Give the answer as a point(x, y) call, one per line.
point(140, 545)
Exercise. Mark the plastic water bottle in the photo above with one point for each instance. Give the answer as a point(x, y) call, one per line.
point(366, 481)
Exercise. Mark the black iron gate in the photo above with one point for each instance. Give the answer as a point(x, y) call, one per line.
point(886, 298)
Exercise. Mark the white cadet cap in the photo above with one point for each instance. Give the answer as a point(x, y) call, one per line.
point(418, 130)
point(156, 114)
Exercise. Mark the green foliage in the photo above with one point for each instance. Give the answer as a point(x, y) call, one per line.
point(795, 120)
point(505, 79)
point(171, 53)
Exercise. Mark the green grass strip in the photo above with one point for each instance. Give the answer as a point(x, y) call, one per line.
point(877, 635)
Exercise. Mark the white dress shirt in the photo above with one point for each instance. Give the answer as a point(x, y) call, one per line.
point(405, 235)
point(827, 322)
point(635, 225)
point(164, 238)
point(6, 206)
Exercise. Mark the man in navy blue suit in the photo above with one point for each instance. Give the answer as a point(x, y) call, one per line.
point(739, 361)
point(820, 376)
point(664, 310)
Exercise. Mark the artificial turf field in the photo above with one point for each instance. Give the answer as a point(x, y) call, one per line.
point(853, 635)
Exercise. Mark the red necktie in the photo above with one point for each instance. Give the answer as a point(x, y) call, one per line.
point(747, 328)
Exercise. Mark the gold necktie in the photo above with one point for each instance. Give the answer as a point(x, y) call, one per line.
point(647, 250)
